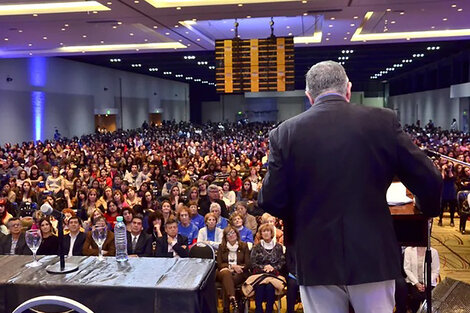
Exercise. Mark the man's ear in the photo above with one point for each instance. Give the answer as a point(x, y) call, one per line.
point(310, 99)
point(348, 91)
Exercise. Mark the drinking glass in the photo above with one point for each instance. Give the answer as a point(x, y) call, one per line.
point(33, 240)
point(99, 236)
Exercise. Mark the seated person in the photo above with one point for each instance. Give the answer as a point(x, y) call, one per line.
point(91, 248)
point(249, 221)
point(172, 244)
point(50, 242)
point(14, 243)
point(211, 234)
point(267, 218)
point(413, 265)
point(245, 234)
point(196, 218)
point(233, 263)
point(222, 222)
point(74, 240)
point(266, 257)
point(139, 244)
point(185, 226)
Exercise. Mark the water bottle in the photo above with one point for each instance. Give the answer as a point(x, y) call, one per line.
point(120, 239)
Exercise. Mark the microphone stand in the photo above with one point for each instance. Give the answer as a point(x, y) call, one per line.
point(428, 261)
point(61, 267)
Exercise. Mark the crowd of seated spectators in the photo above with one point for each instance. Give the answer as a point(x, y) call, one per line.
point(175, 184)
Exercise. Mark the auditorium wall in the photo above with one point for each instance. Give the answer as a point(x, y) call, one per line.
point(275, 107)
point(432, 104)
point(38, 95)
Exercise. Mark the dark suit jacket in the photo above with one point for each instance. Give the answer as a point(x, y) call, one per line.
point(143, 246)
point(77, 246)
point(21, 246)
point(91, 248)
point(329, 170)
point(205, 204)
point(162, 247)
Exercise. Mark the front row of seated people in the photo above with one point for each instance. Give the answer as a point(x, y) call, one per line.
point(237, 257)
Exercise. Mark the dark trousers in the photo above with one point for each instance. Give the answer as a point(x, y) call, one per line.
point(415, 298)
point(463, 221)
point(264, 292)
point(452, 204)
point(229, 281)
point(292, 290)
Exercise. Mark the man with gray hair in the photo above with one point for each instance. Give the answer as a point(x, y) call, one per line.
point(213, 197)
point(345, 251)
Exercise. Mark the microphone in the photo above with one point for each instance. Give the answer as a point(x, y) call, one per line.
point(47, 209)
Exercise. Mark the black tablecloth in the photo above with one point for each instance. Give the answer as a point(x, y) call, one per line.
point(140, 285)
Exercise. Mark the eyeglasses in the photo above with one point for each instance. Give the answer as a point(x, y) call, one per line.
point(15, 225)
point(231, 233)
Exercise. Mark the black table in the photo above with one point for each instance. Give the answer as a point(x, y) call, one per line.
point(141, 285)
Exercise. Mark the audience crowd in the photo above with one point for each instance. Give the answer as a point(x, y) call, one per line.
point(177, 184)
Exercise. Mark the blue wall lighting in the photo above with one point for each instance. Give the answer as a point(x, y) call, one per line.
point(38, 100)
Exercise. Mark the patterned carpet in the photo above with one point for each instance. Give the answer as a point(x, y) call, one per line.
point(453, 248)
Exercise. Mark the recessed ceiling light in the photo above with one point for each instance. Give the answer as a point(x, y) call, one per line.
point(136, 1)
point(392, 22)
point(304, 1)
point(131, 34)
point(232, 30)
point(402, 12)
point(327, 39)
point(66, 25)
point(388, 10)
point(305, 13)
point(95, 12)
point(178, 8)
point(240, 4)
point(30, 44)
point(248, 16)
point(347, 33)
point(20, 30)
point(290, 34)
point(146, 40)
point(62, 29)
point(352, 25)
point(332, 18)
point(460, 10)
point(432, 27)
point(444, 19)
point(6, 39)
point(84, 36)
point(329, 34)
point(109, 3)
point(61, 43)
point(454, 5)
point(114, 27)
point(155, 26)
point(331, 25)
point(102, 41)
point(287, 27)
point(167, 34)
point(45, 38)
point(176, 26)
point(119, 23)
point(35, 15)
point(355, 17)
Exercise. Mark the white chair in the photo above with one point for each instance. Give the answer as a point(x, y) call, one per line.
point(52, 300)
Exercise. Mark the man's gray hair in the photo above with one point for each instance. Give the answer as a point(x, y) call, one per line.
point(326, 76)
point(213, 187)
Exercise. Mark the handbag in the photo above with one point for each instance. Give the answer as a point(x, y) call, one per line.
point(248, 287)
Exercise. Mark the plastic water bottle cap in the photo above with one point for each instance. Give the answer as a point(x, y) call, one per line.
point(119, 218)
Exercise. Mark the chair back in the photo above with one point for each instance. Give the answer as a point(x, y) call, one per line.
point(52, 300)
point(202, 250)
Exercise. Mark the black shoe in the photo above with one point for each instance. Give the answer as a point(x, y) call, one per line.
point(440, 223)
point(452, 224)
point(234, 305)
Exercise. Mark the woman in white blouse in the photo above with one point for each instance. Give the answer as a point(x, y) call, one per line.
point(414, 267)
point(210, 234)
